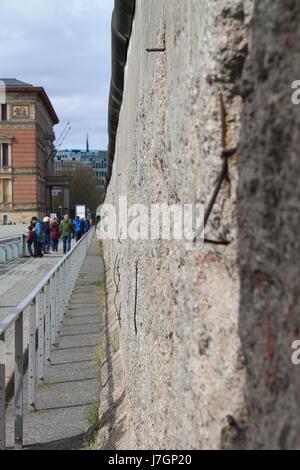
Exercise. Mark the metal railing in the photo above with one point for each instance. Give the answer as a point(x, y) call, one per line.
point(16, 238)
point(12, 247)
point(46, 306)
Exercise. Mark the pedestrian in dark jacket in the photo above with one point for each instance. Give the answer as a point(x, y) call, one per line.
point(66, 229)
point(54, 235)
point(39, 237)
point(46, 227)
point(78, 228)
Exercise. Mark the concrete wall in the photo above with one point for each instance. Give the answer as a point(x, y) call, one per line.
point(209, 365)
point(268, 208)
point(184, 372)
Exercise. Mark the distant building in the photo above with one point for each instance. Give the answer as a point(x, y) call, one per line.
point(27, 176)
point(96, 160)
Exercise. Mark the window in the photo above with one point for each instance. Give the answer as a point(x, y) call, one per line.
point(4, 113)
point(5, 156)
point(5, 191)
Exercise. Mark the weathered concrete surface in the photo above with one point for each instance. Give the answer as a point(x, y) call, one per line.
point(269, 220)
point(114, 424)
point(72, 379)
point(183, 370)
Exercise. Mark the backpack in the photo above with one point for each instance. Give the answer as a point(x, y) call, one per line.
point(78, 226)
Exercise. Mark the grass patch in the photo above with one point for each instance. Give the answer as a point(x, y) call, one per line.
point(92, 414)
point(99, 283)
point(93, 418)
point(46, 385)
point(101, 248)
point(102, 298)
point(94, 443)
point(98, 356)
point(99, 352)
point(98, 376)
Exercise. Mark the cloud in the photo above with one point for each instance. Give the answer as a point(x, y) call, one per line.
point(63, 46)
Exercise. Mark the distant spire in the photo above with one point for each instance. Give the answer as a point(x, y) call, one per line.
point(87, 143)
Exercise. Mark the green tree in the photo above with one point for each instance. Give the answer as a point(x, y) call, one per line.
point(84, 189)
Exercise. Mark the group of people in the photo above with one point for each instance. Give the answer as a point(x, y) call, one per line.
point(43, 236)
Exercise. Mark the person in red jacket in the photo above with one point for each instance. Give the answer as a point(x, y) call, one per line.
point(54, 235)
point(29, 240)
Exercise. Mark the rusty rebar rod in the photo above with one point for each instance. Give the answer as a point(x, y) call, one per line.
point(216, 242)
point(225, 154)
point(156, 49)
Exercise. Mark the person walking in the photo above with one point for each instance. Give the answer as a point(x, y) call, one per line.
point(54, 235)
point(66, 229)
point(78, 228)
point(39, 237)
point(29, 240)
point(46, 222)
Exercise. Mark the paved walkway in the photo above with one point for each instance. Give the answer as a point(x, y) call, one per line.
point(72, 381)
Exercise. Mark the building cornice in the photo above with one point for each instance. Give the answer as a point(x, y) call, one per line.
point(40, 92)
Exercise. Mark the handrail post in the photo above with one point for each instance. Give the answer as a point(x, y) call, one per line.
point(57, 315)
point(71, 275)
point(52, 309)
point(41, 343)
point(32, 355)
point(47, 300)
point(61, 294)
point(67, 281)
point(2, 392)
point(23, 238)
point(65, 286)
point(19, 382)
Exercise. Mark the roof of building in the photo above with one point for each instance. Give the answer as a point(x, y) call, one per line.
point(14, 85)
point(13, 82)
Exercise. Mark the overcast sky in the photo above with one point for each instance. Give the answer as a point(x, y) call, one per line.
point(64, 46)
